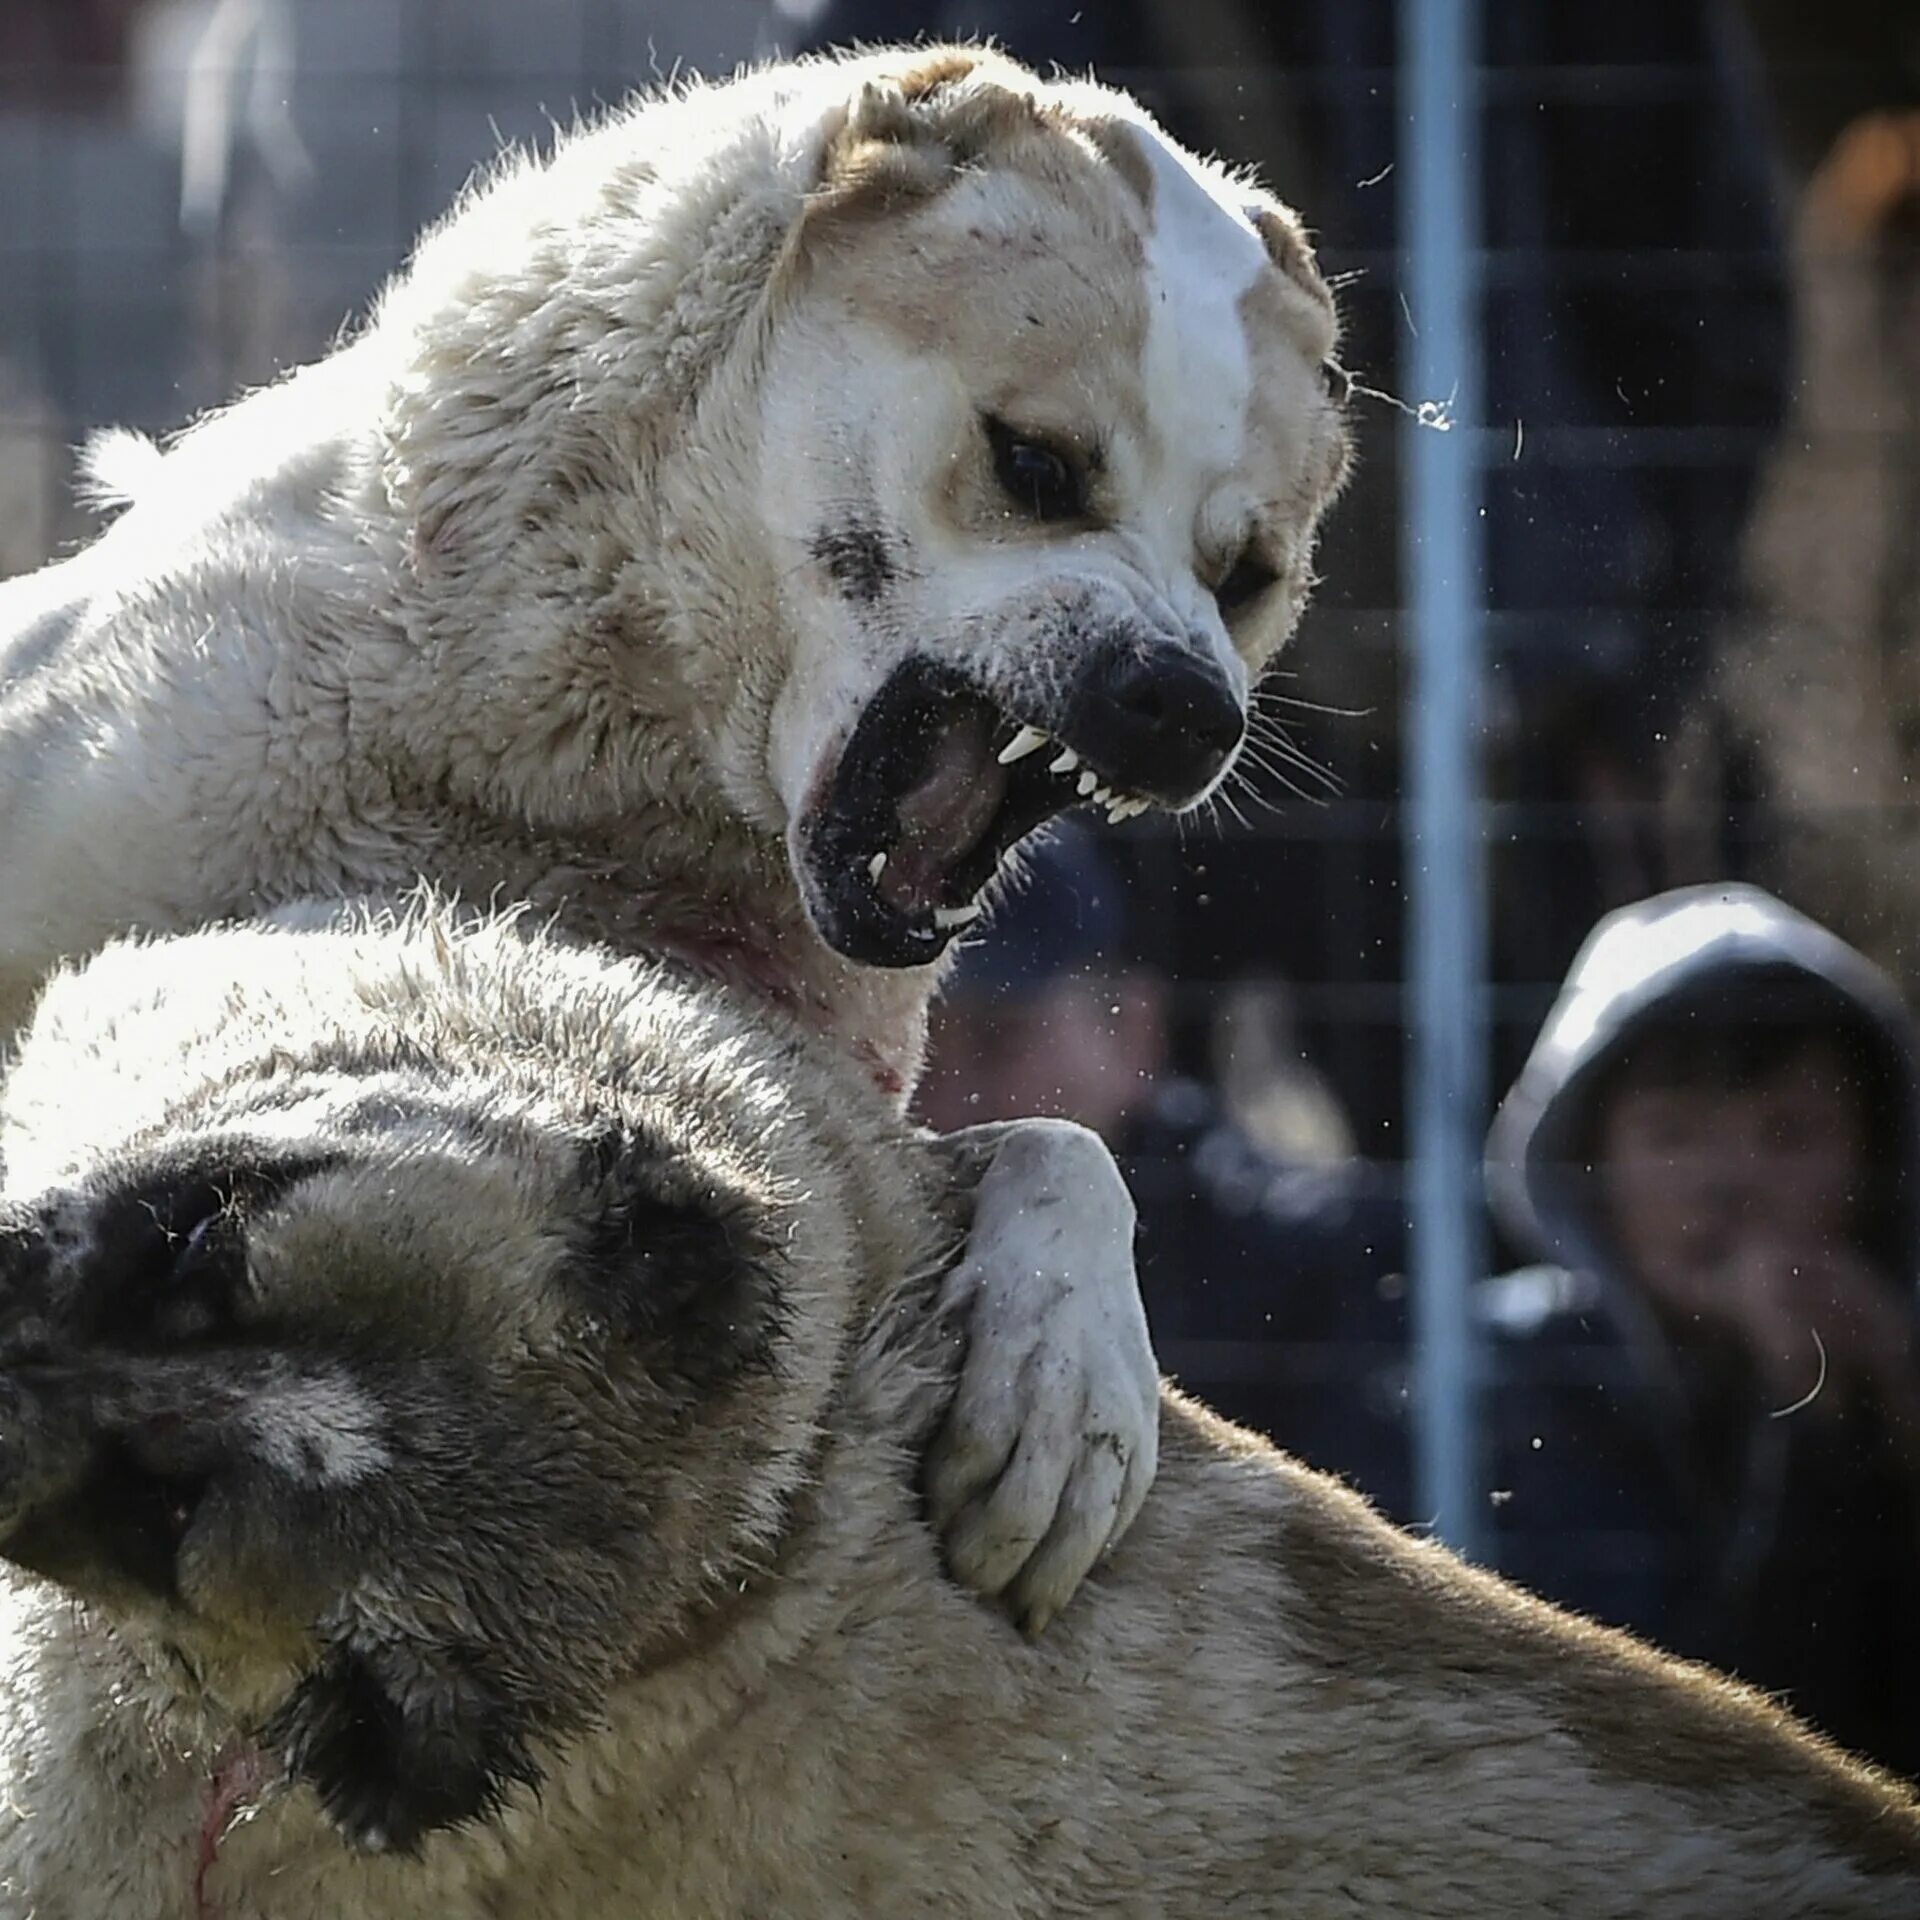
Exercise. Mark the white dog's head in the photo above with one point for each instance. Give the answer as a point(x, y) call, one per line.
point(905, 445)
point(1050, 420)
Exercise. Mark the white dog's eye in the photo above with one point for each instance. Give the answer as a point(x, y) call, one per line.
point(1041, 480)
point(1246, 580)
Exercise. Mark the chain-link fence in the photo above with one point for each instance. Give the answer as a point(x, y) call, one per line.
point(1697, 287)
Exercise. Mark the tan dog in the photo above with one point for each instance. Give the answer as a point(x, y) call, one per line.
point(730, 537)
point(468, 1391)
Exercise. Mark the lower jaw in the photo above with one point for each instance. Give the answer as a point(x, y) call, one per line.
point(864, 940)
point(875, 1012)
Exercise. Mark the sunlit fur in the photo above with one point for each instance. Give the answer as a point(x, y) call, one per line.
point(610, 1301)
point(522, 588)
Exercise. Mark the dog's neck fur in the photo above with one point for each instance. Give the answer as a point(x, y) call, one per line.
point(665, 866)
point(633, 820)
point(662, 636)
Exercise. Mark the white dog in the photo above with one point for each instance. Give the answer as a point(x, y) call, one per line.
point(731, 537)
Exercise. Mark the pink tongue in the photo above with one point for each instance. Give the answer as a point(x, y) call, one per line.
point(944, 814)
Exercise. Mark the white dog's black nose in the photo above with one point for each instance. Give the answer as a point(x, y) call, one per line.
point(1155, 720)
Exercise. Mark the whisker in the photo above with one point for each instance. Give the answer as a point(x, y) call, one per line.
point(1270, 803)
point(1269, 770)
point(1223, 795)
point(1282, 748)
point(1295, 704)
point(1304, 763)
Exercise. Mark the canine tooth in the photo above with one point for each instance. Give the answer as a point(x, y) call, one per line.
point(1066, 763)
point(876, 866)
point(1027, 740)
point(948, 917)
point(1088, 781)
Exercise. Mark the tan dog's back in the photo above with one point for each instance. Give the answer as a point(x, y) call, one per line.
point(1269, 1703)
point(553, 1528)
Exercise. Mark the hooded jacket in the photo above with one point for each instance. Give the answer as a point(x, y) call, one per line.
point(1638, 1473)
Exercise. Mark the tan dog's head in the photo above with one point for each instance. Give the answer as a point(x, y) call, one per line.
point(1050, 419)
point(420, 1335)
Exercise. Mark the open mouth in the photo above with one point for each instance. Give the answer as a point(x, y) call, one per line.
point(935, 785)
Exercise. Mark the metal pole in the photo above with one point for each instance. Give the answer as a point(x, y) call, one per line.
point(1439, 187)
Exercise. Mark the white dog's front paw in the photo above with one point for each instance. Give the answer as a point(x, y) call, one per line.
point(1054, 1432)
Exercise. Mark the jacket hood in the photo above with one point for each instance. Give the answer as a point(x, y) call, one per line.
point(1646, 960)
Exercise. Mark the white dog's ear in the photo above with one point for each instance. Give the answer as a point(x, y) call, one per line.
point(903, 136)
point(1289, 248)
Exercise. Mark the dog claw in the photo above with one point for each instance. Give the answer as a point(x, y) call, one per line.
point(1027, 740)
point(876, 866)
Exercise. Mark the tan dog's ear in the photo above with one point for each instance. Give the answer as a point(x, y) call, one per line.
point(402, 1740)
point(903, 136)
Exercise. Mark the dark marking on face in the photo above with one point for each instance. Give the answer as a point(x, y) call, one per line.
point(684, 1273)
point(404, 1743)
point(26, 1260)
point(123, 1519)
point(167, 1260)
point(858, 560)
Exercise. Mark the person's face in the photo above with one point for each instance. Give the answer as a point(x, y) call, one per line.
point(1084, 1048)
point(1693, 1176)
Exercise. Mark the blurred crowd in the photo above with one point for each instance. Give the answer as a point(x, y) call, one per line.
point(1700, 1411)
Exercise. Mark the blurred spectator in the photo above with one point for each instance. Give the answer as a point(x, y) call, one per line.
point(1272, 1283)
point(1266, 1081)
point(1639, 352)
point(64, 53)
point(1811, 717)
point(1705, 1416)
point(1046, 1016)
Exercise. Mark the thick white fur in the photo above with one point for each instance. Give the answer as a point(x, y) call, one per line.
point(517, 591)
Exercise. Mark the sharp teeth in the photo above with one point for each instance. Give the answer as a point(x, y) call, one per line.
point(1066, 763)
point(876, 866)
point(949, 917)
point(1104, 796)
point(1116, 812)
point(1088, 781)
point(1137, 806)
point(1027, 740)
